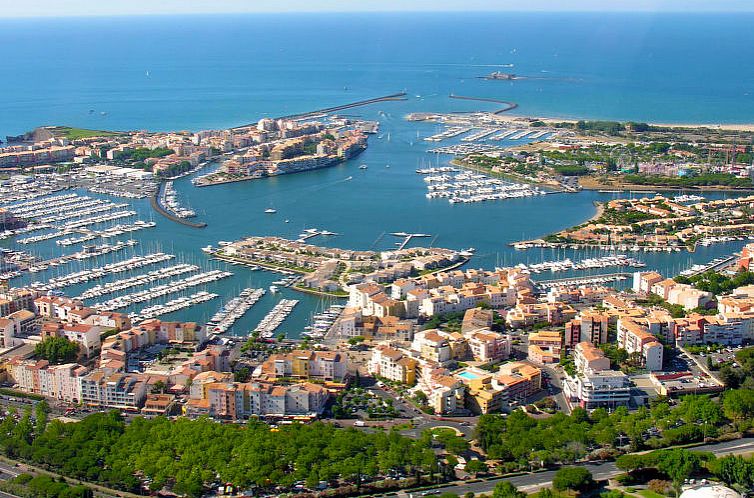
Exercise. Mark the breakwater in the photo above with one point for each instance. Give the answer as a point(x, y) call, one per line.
point(508, 105)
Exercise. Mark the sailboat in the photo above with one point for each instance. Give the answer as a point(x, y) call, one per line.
point(270, 211)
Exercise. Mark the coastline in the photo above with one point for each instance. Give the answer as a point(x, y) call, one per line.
point(591, 183)
point(749, 127)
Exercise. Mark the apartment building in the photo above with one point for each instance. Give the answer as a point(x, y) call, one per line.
point(239, 401)
point(590, 326)
point(589, 358)
point(393, 365)
point(635, 338)
point(300, 364)
point(115, 390)
point(545, 347)
point(54, 381)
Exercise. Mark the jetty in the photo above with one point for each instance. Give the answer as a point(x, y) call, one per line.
point(407, 238)
point(155, 202)
point(386, 98)
point(508, 105)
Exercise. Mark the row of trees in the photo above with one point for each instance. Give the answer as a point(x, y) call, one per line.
point(520, 441)
point(703, 179)
point(680, 464)
point(717, 283)
point(187, 456)
point(29, 486)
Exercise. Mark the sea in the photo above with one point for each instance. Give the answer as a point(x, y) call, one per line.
point(210, 72)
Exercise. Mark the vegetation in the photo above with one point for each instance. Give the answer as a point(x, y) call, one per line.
point(29, 486)
point(703, 179)
point(175, 169)
point(680, 464)
point(449, 321)
point(742, 376)
point(57, 350)
point(142, 153)
point(519, 439)
point(190, 455)
point(717, 283)
point(505, 489)
point(78, 133)
point(675, 310)
point(20, 394)
point(573, 479)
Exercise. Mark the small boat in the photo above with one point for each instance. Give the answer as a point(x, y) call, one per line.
point(287, 221)
point(273, 289)
point(363, 166)
point(270, 211)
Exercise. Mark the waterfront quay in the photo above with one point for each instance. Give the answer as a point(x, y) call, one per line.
point(331, 270)
point(284, 146)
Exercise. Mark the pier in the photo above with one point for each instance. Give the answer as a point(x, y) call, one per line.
point(310, 233)
point(155, 202)
point(386, 98)
point(407, 238)
point(593, 279)
point(508, 105)
point(714, 265)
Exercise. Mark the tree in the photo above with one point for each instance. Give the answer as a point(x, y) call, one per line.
point(572, 478)
point(41, 412)
point(159, 387)
point(476, 467)
point(243, 374)
point(57, 350)
point(505, 489)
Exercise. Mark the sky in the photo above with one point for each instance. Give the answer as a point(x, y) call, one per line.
point(56, 8)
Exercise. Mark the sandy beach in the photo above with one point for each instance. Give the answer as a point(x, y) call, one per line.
point(511, 118)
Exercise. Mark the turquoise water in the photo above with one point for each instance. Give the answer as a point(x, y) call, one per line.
point(209, 72)
point(468, 375)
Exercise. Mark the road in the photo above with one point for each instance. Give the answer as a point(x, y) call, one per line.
point(531, 482)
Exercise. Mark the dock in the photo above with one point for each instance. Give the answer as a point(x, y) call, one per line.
point(310, 233)
point(592, 279)
point(407, 238)
point(155, 202)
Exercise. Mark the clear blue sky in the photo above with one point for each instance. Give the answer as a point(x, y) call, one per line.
point(34, 8)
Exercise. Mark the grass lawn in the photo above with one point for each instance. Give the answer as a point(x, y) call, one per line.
point(76, 133)
point(648, 493)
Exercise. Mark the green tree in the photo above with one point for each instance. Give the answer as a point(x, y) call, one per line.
point(476, 467)
point(505, 489)
point(572, 478)
point(57, 350)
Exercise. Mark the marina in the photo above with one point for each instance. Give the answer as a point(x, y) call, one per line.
point(322, 322)
point(172, 306)
point(469, 187)
point(572, 282)
point(275, 317)
point(173, 287)
point(169, 199)
point(139, 280)
point(233, 310)
point(107, 233)
point(103, 271)
point(585, 264)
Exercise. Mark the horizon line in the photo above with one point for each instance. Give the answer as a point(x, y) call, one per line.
point(747, 10)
